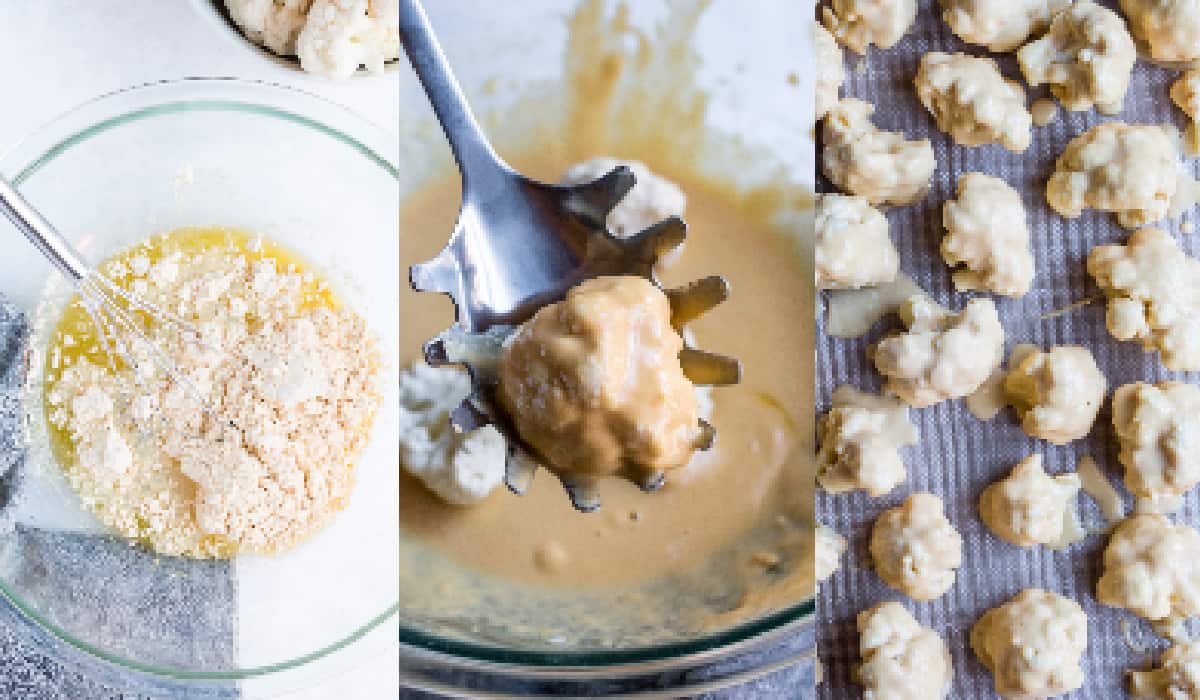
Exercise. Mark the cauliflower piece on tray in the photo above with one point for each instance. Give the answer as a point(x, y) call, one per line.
point(943, 355)
point(651, 200)
point(1176, 678)
point(987, 236)
point(1000, 25)
point(1153, 291)
point(915, 548)
point(830, 546)
point(860, 439)
point(1171, 28)
point(1028, 507)
point(860, 23)
point(274, 24)
point(1057, 393)
point(901, 660)
point(853, 249)
point(1086, 57)
point(972, 102)
point(831, 70)
point(1032, 645)
point(1185, 93)
point(461, 468)
point(1130, 170)
point(1152, 568)
point(881, 166)
point(1158, 429)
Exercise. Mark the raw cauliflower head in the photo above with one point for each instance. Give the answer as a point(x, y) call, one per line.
point(461, 468)
point(274, 24)
point(901, 660)
point(1185, 93)
point(652, 199)
point(987, 239)
point(1152, 569)
point(860, 23)
point(881, 166)
point(853, 249)
point(1130, 170)
point(1153, 291)
point(1086, 57)
point(972, 102)
point(830, 546)
point(1032, 645)
point(1000, 25)
point(831, 71)
point(1057, 393)
point(915, 549)
point(1028, 507)
point(860, 439)
point(943, 355)
point(1158, 429)
point(1176, 678)
point(1171, 28)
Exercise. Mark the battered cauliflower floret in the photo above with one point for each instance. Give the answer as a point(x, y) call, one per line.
point(1152, 568)
point(860, 438)
point(830, 547)
point(972, 102)
point(915, 549)
point(943, 355)
point(1000, 25)
point(987, 238)
point(1153, 291)
point(1185, 92)
point(853, 249)
point(1086, 57)
point(274, 24)
point(461, 468)
point(860, 23)
point(1130, 170)
point(1158, 429)
point(1057, 393)
point(1032, 645)
point(1028, 507)
point(901, 660)
point(1176, 678)
point(342, 35)
point(652, 199)
point(880, 165)
point(594, 384)
point(1171, 28)
point(831, 71)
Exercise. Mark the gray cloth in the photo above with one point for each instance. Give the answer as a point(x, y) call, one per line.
point(958, 455)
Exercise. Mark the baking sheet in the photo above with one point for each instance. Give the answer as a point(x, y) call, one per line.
point(959, 455)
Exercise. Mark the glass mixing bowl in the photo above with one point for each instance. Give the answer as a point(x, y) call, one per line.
point(257, 157)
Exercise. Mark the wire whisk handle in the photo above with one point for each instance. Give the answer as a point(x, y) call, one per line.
point(45, 237)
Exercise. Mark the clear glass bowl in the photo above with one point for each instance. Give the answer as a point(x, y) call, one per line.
point(258, 157)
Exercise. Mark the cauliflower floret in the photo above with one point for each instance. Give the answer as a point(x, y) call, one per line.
point(830, 69)
point(1152, 568)
point(830, 547)
point(1028, 507)
point(1032, 645)
point(1158, 429)
point(901, 660)
point(652, 199)
point(861, 437)
point(1171, 28)
point(1185, 92)
point(972, 102)
point(461, 468)
point(1056, 394)
point(1176, 678)
point(880, 165)
point(1000, 25)
point(860, 23)
point(915, 549)
point(853, 249)
point(274, 24)
point(1153, 291)
point(986, 233)
point(1127, 169)
point(1086, 57)
point(342, 35)
point(943, 355)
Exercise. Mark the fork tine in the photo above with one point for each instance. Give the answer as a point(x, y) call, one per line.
point(594, 200)
point(709, 368)
point(653, 242)
point(695, 299)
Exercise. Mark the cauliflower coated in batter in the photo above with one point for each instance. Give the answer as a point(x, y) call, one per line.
point(860, 439)
point(1152, 568)
point(1032, 645)
point(1185, 92)
point(1130, 170)
point(652, 199)
point(901, 659)
point(1171, 28)
point(972, 102)
point(852, 249)
point(860, 23)
point(1153, 291)
point(881, 166)
point(1176, 678)
point(1029, 507)
point(915, 548)
point(943, 355)
point(1158, 429)
point(830, 546)
point(1057, 393)
point(831, 71)
point(1000, 25)
point(987, 239)
point(1086, 57)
